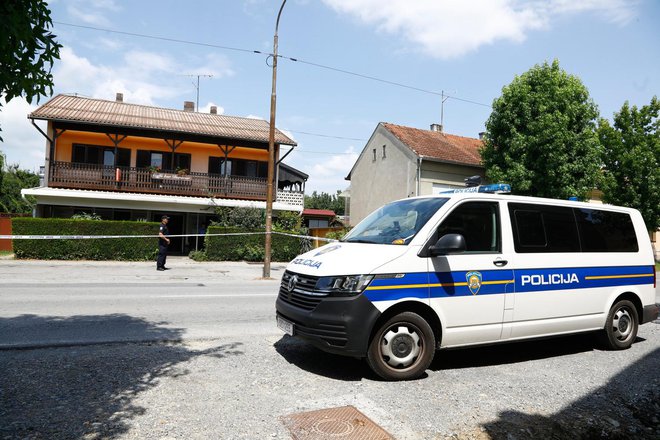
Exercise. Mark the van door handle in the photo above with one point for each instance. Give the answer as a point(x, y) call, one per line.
point(500, 263)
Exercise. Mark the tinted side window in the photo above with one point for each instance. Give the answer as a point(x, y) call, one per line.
point(606, 231)
point(541, 228)
point(478, 222)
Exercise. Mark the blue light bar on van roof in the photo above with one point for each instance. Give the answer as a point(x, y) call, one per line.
point(495, 188)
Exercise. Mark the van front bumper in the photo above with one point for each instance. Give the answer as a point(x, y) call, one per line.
point(650, 313)
point(340, 325)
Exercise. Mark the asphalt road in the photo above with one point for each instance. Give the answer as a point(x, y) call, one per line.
point(82, 310)
point(118, 350)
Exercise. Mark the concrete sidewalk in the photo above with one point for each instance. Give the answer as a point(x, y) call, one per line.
point(182, 269)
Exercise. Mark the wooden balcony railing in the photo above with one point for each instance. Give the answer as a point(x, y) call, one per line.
point(141, 180)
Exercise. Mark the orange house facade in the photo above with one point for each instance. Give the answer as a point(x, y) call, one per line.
point(131, 162)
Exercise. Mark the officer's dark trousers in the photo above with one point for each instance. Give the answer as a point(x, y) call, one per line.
point(162, 255)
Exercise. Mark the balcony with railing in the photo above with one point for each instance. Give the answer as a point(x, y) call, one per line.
point(141, 180)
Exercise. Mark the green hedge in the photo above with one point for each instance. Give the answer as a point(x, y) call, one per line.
point(250, 247)
point(131, 249)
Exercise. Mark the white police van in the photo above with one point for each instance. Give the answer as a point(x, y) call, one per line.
point(467, 268)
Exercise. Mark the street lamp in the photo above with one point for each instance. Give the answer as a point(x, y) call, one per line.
point(271, 156)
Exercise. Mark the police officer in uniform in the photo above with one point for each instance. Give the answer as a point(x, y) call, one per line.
point(163, 242)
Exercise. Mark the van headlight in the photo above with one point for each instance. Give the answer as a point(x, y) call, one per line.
point(343, 285)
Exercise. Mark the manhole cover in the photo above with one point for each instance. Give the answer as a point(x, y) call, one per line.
point(345, 422)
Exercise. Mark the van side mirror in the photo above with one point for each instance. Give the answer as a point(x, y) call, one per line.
point(448, 244)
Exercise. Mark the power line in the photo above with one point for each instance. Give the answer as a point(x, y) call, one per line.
point(298, 60)
point(299, 150)
point(153, 37)
point(394, 83)
point(323, 135)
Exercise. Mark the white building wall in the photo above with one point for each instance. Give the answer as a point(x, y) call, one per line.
point(444, 175)
point(383, 178)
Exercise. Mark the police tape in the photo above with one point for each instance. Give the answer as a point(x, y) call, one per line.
point(89, 237)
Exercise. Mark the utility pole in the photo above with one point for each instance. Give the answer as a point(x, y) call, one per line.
point(197, 86)
point(442, 109)
point(271, 155)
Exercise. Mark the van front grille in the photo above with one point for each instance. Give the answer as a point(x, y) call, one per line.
point(300, 292)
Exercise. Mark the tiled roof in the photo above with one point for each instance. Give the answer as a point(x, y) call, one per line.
point(437, 145)
point(120, 114)
point(318, 212)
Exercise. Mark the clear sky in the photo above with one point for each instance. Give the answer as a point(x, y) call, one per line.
point(469, 49)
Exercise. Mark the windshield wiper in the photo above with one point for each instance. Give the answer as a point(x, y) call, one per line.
point(359, 240)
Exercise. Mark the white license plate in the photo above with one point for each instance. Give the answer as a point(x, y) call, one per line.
point(285, 326)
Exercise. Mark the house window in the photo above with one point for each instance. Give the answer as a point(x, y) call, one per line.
point(250, 168)
point(318, 223)
point(218, 165)
point(238, 167)
point(182, 161)
point(100, 155)
point(162, 160)
point(156, 160)
point(384, 152)
point(374, 158)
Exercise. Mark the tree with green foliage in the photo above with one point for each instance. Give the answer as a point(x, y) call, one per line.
point(631, 155)
point(325, 201)
point(541, 135)
point(12, 181)
point(27, 49)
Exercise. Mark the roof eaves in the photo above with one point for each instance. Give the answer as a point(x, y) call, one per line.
point(451, 162)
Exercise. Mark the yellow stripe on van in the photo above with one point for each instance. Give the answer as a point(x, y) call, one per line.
point(402, 286)
point(418, 286)
point(608, 277)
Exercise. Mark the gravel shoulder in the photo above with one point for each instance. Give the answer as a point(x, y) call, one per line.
point(240, 389)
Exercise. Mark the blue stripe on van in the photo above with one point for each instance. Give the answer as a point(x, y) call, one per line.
point(450, 284)
point(538, 280)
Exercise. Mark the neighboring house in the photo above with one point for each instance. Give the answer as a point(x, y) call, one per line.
point(399, 162)
point(129, 162)
point(318, 218)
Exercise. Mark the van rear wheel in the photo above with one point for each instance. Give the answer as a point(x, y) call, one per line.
point(621, 326)
point(402, 348)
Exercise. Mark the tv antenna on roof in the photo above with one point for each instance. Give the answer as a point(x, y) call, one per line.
point(444, 97)
point(197, 85)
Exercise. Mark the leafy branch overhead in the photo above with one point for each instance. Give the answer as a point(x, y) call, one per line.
point(27, 49)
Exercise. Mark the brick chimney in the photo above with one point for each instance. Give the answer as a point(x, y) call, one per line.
point(214, 110)
point(119, 97)
point(188, 106)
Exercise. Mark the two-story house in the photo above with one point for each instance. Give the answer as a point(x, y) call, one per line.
point(399, 162)
point(129, 162)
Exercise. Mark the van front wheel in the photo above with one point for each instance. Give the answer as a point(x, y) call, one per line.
point(621, 326)
point(402, 348)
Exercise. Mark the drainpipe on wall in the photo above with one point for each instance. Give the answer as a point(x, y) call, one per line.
point(419, 175)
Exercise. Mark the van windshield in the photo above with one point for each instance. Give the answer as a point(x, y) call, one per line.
point(395, 223)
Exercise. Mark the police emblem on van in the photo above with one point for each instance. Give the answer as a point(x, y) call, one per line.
point(473, 281)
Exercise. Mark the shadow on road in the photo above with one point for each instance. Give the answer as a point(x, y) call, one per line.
point(311, 359)
point(628, 406)
point(515, 352)
point(87, 391)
